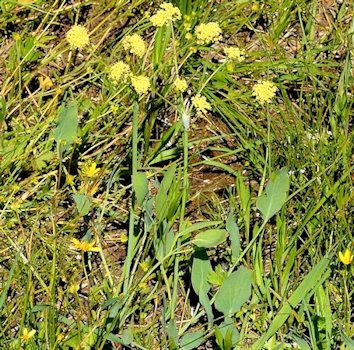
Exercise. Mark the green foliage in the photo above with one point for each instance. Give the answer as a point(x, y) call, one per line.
point(210, 238)
point(270, 202)
point(234, 292)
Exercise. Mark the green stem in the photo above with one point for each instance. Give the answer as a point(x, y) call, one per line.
point(131, 235)
point(181, 223)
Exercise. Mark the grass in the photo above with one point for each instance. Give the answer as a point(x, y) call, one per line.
point(223, 235)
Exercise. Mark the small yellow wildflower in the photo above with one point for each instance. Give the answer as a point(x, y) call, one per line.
point(144, 266)
point(255, 7)
point(69, 180)
point(141, 84)
point(89, 169)
point(27, 334)
point(16, 36)
point(45, 83)
point(167, 13)
point(180, 85)
point(73, 288)
point(234, 53)
point(134, 44)
point(84, 246)
point(201, 104)
point(189, 36)
point(208, 32)
point(264, 91)
point(123, 238)
point(347, 257)
point(119, 72)
point(78, 37)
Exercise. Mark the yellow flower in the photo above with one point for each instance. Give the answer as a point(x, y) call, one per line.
point(84, 246)
point(347, 257)
point(234, 53)
point(123, 238)
point(201, 104)
point(189, 36)
point(134, 44)
point(69, 180)
point(167, 13)
point(144, 266)
point(180, 85)
point(255, 7)
point(208, 32)
point(27, 334)
point(264, 91)
point(16, 36)
point(141, 84)
point(89, 169)
point(78, 37)
point(45, 83)
point(119, 72)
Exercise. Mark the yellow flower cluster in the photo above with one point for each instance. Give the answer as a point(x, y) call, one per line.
point(167, 13)
point(119, 72)
point(201, 104)
point(135, 45)
point(141, 84)
point(180, 85)
point(77, 37)
point(264, 91)
point(234, 53)
point(208, 32)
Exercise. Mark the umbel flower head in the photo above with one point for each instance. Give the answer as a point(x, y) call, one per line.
point(201, 104)
point(119, 72)
point(347, 257)
point(207, 33)
point(167, 13)
point(234, 53)
point(84, 246)
point(180, 85)
point(141, 84)
point(264, 91)
point(134, 44)
point(77, 37)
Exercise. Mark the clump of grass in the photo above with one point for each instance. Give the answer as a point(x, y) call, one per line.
point(176, 175)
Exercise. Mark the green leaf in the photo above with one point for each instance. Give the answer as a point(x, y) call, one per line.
point(270, 202)
point(191, 341)
point(218, 276)
point(233, 231)
point(140, 186)
point(234, 292)
point(201, 268)
point(83, 203)
point(2, 108)
point(210, 238)
point(66, 130)
point(227, 334)
point(306, 287)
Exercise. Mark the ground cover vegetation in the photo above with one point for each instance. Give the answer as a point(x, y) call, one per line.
point(176, 175)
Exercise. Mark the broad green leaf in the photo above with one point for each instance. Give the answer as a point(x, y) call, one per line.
point(210, 238)
point(191, 341)
point(66, 130)
point(140, 186)
point(201, 268)
point(82, 203)
point(349, 343)
point(270, 202)
point(234, 292)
